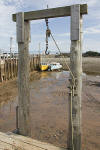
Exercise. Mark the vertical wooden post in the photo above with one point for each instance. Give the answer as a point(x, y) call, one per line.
point(81, 39)
point(23, 34)
point(0, 67)
point(16, 67)
point(74, 139)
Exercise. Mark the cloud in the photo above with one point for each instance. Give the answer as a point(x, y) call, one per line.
point(93, 30)
point(91, 44)
point(91, 3)
point(62, 35)
point(42, 4)
point(6, 17)
point(8, 28)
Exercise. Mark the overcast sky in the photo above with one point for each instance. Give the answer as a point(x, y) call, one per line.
point(60, 27)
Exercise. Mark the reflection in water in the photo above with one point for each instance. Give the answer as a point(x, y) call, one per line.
point(7, 115)
point(43, 90)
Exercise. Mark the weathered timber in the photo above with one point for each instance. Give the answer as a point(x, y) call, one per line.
point(12, 141)
point(20, 27)
point(75, 26)
point(23, 77)
point(51, 13)
point(76, 12)
point(74, 141)
point(81, 39)
point(9, 67)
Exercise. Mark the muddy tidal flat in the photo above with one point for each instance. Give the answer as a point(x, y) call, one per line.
point(49, 108)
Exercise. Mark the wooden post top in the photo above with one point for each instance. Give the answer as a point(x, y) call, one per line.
point(51, 13)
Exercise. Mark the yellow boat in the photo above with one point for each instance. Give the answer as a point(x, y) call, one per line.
point(44, 66)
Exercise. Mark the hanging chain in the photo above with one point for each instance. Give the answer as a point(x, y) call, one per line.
point(47, 35)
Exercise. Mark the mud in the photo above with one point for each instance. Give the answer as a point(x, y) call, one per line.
point(49, 111)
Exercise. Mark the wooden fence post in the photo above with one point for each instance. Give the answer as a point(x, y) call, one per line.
point(23, 35)
point(74, 138)
point(0, 69)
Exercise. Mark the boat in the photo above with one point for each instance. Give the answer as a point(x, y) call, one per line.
point(50, 67)
point(44, 66)
point(55, 66)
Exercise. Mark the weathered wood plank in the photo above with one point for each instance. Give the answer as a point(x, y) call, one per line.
point(20, 26)
point(5, 146)
point(23, 81)
point(32, 142)
point(74, 140)
point(17, 144)
point(11, 141)
point(51, 13)
point(75, 25)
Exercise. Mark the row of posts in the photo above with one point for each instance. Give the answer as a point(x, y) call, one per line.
point(9, 67)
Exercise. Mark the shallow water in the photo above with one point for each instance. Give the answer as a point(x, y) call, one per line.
point(46, 87)
point(50, 88)
point(49, 109)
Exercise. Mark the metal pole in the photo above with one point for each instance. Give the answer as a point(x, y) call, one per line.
point(11, 38)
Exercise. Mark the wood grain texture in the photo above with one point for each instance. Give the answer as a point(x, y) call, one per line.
point(23, 82)
point(20, 27)
point(51, 13)
point(75, 25)
point(74, 141)
point(12, 141)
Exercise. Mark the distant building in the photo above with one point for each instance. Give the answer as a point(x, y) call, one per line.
point(8, 55)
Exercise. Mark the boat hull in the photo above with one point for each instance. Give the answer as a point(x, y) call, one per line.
point(44, 67)
point(55, 67)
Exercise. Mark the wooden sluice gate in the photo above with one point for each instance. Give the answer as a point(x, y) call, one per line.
point(75, 89)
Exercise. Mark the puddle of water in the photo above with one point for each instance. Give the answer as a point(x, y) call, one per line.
point(43, 90)
point(48, 98)
point(7, 115)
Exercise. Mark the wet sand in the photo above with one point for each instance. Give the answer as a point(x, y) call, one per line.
point(90, 65)
point(49, 112)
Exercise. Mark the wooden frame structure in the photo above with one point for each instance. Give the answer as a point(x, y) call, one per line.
point(23, 38)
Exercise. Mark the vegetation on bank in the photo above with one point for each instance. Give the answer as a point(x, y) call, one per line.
point(91, 54)
point(86, 54)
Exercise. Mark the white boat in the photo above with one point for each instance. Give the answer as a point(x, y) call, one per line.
point(55, 66)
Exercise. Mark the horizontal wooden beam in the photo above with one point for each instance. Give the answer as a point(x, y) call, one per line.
point(51, 13)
